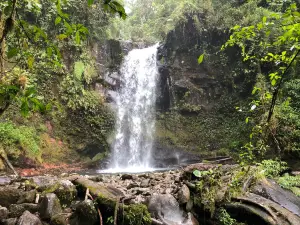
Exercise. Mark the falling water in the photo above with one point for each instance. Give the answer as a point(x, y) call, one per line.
point(132, 147)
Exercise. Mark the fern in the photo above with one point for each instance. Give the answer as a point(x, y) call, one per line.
point(79, 69)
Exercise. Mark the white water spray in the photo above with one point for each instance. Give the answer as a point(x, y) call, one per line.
point(132, 147)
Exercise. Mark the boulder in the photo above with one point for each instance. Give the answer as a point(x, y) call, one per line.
point(10, 221)
point(184, 194)
point(60, 219)
point(260, 211)
point(27, 197)
point(9, 195)
point(166, 208)
point(272, 191)
point(145, 183)
point(28, 218)
point(66, 191)
point(3, 213)
point(126, 177)
point(49, 206)
point(85, 214)
point(16, 210)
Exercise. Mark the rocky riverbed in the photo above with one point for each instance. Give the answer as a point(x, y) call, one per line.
point(170, 197)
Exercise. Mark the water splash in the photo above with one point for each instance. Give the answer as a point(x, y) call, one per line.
point(132, 147)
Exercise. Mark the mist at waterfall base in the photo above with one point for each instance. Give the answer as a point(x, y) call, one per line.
point(135, 116)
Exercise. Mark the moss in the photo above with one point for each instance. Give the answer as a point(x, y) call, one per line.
point(135, 214)
point(191, 133)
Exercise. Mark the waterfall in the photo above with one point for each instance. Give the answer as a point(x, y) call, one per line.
point(135, 125)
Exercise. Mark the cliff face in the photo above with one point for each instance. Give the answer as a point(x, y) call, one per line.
point(222, 73)
point(200, 99)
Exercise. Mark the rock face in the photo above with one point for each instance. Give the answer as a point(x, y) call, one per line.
point(182, 78)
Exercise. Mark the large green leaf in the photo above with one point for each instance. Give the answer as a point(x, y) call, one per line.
point(200, 59)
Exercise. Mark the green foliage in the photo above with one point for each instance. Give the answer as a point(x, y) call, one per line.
point(136, 214)
point(76, 97)
point(152, 20)
point(224, 218)
point(271, 45)
point(272, 168)
point(291, 183)
point(207, 188)
point(17, 138)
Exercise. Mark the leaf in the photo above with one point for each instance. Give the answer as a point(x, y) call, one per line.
point(197, 173)
point(247, 120)
point(273, 82)
point(62, 36)
point(30, 62)
point(90, 2)
point(57, 20)
point(200, 59)
point(68, 27)
point(12, 52)
point(264, 19)
point(24, 108)
point(49, 51)
point(77, 37)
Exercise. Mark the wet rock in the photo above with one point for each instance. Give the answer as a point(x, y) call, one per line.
point(190, 220)
point(9, 195)
point(3, 213)
point(49, 206)
point(132, 185)
point(165, 207)
point(17, 210)
point(255, 209)
point(272, 191)
point(60, 219)
point(189, 205)
point(85, 214)
point(10, 221)
point(126, 177)
point(29, 219)
point(27, 197)
point(145, 183)
point(5, 180)
point(184, 194)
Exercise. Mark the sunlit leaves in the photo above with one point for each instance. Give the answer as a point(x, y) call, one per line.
point(57, 20)
point(201, 58)
point(30, 62)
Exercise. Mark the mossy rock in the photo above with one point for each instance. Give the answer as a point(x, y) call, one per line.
point(64, 189)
